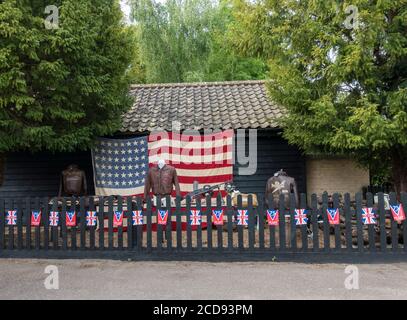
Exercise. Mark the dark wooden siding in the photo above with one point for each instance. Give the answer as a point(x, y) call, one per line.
point(38, 175)
point(274, 153)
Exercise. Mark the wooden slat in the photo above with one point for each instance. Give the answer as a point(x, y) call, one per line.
point(139, 229)
point(45, 213)
point(110, 235)
point(337, 227)
point(348, 223)
point(314, 221)
point(19, 224)
point(293, 234)
point(359, 222)
point(327, 242)
point(304, 231)
point(199, 229)
point(371, 229)
point(74, 207)
point(63, 226)
point(283, 245)
point(261, 217)
point(209, 220)
point(178, 220)
point(120, 228)
point(229, 213)
point(2, 224)
point(159, 227)
point(239, 228)
point(251, 222)
point(189, 228)
point(37, 240)
point(83, 223)
point(131, 231)
point(272, 229)
point(382, 222)
point(28, 223)
point(149, 225)
point(92, 229)
point(394, 231)
point(219, 228)
point(101, 220)
point(168, 229)
point(404, 223)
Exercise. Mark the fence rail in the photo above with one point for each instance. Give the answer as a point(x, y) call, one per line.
point(114, 224)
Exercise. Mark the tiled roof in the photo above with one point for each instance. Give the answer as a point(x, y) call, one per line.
point(215, 105)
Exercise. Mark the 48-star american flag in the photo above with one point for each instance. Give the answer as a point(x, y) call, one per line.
point(121, 166)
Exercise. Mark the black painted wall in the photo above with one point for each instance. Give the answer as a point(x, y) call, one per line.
point(273, 154)
point(37, 175)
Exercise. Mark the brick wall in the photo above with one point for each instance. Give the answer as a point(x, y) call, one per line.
point(335, 175)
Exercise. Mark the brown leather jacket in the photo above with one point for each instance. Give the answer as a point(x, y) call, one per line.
point(73, 182)
point(162, 181)
point(281, 184)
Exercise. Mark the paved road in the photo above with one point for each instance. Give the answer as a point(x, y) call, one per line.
point(83, 279)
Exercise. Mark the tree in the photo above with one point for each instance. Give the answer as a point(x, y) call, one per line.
point(340, 70)
point(184, 41)
point(62, 84)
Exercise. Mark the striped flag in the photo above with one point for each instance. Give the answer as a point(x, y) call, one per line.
point(121, 166)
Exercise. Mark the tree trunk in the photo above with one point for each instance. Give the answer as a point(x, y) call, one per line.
point(399, 172)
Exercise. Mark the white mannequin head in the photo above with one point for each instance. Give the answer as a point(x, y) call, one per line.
point(161, 163)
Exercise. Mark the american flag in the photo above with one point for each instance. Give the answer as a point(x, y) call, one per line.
point(300, 217)
point(121, 166)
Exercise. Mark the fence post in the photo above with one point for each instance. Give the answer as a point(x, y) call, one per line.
point(83, 222)
point(229, 211)
point(199, 231)
point(120, 228)
point(348, 223)
point(314, 221)
point(189, 227)
point(19, 225)
point(371, 229)
point(159, 227)
point(139, 229)
point(404, 203)
point(149, 225)
point(28, 223)
point(327, 235)
point(168, 229)
point(46, 223)
point(101, 219)
point(219, 228)
point(209, 221)
point(251, 222)
point(92, 228)
point(338, 245)
point(394, 231)
point(63, 225)
point(272, 229)
point(281, 231)
point(2, 242)
point(110, 223)
point(239, 228)
point(74, 207)
point(292, 223)
point(304, 231)
point(382, 222)
point(260, 216)
point(359, 222)
point(131, 231)
point(178, 219)
point(38, 229)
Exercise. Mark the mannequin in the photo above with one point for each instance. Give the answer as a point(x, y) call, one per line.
point(73, 182)
point(279, 184)
point(161, 179)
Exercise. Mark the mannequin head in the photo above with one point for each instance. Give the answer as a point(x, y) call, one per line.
point(161, 163)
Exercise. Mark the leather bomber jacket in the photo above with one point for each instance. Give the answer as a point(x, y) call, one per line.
point(162, 181)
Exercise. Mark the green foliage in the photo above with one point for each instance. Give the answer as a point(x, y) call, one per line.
point(345, 89)
point(59, 88)
point(185, 41)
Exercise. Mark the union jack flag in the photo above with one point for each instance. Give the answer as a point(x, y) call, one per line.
point(35, 218)
point(333, 216)
point(217, 216)
point(91, 218)
point(138, 218)
point(70, 219)
point(11, 217)
point(300, 217)
point(195, 218)
point(118, 219)
point(54, 218)
point(398, 213)
point(162, 217)
point(273, 217)
point(368, 216)
point(242, 218)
